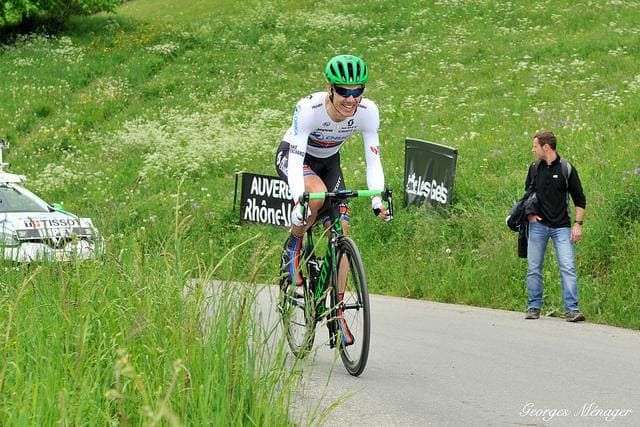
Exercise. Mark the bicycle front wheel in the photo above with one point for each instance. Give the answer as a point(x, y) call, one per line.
point(298, 315)
point(352, 309)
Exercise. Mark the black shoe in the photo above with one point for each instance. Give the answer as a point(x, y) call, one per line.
point(533, 313)
point(574, 316)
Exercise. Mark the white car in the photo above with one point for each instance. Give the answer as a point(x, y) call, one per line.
point(33, 230)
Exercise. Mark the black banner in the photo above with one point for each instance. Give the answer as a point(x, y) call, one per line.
point(429, 173)
point(265, 200)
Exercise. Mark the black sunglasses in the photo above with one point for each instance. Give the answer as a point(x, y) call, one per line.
point(345, 93)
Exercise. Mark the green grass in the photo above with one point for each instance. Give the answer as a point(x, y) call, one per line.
point(123, 342)
point(119, 115)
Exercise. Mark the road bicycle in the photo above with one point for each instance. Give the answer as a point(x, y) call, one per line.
point(338, 271)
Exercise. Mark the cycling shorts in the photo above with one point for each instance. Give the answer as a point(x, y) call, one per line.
point(328, 170)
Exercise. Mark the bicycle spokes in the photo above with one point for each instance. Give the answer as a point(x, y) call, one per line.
point(298, 318)
point(352, 310)
point(339, 277)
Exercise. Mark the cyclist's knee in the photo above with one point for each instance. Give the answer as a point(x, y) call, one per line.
point(298, 230)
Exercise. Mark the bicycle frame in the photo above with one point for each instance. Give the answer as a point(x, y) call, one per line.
point(326, 265)
point(337, 276)
point(328, 272)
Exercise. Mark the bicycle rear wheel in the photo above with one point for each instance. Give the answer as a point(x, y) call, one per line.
point(355, 307)
point(297, 312)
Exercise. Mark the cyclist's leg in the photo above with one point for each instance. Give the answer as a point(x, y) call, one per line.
point(314, 182)
point(293, 245)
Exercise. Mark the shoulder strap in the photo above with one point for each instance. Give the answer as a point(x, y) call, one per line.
point(566, 169)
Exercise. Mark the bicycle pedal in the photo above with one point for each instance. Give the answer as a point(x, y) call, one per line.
point(332, 341)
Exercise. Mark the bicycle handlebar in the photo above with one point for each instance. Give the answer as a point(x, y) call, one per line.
point(345, 194)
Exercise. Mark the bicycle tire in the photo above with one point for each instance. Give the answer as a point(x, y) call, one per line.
point(297, 312)
point(355, 309)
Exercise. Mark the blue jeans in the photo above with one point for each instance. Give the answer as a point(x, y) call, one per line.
point(537, 244)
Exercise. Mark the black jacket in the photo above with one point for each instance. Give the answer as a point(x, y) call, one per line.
point(552, 190)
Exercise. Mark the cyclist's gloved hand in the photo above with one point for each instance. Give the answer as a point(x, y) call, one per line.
point(379, 209)
point(296, 215)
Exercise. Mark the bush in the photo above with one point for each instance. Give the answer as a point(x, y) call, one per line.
point(16, 12)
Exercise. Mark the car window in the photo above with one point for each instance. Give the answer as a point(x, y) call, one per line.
point(11, 200)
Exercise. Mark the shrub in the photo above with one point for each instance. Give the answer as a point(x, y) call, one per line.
point(16, 12)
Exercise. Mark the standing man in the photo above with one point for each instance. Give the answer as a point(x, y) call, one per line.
point(553, 179)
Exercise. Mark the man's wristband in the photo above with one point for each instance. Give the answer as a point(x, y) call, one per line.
point(578, 222)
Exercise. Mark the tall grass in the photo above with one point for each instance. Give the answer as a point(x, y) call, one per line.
point(136, 340)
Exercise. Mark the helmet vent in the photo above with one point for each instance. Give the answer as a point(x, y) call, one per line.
point(343, 74)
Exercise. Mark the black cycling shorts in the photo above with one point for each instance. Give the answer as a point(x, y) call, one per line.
point(328, 170)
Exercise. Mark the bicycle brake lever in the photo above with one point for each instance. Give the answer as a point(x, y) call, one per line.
point(389, 199)
point(305, 207)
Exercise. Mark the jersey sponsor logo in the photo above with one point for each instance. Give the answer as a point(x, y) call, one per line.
point(326, 124)
point(296, 120)
point(350, 127)
point(313, 107)
point(320, 137)
point(282, 162)
point(293, 149)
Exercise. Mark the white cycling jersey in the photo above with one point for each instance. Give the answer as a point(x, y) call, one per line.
point(315, 133)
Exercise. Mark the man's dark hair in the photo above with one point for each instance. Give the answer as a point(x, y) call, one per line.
point(546, 137)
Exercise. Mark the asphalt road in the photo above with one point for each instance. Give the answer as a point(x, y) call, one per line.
point(441, 364)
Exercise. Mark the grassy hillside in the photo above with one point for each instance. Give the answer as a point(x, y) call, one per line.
point(110, 115)
point(142, 119)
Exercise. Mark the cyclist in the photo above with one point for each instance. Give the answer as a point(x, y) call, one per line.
point(308, 157)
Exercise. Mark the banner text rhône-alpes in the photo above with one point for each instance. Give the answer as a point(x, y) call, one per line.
point(265, 200)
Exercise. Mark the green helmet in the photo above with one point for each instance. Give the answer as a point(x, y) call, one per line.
point(346, 70)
